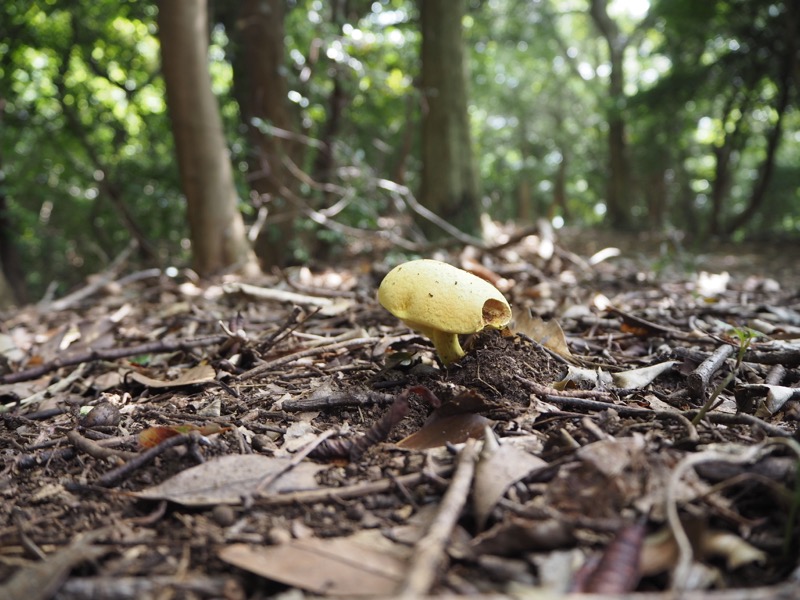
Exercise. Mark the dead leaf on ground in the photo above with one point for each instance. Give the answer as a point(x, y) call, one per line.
point(516, 535)
point(202, 373)
point(548, 333)
point(41, 580)
point(639, 378)
point(229, 479)
point(350, 566)
point(499, 466)
point(454, 422)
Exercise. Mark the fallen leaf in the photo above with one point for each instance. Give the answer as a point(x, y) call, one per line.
point(229, 479)
point(577, 375)
point(153, 436)
point(639, 378)
point(202, 373)
point(548, 333)
point(515, 536)
point(454, 429)
point(349, 566)
point(454, 422)
point(499, 466)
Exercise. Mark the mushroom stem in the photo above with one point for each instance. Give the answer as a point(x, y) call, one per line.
point(447, 345)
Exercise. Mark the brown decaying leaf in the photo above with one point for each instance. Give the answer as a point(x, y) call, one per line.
point(153, 436)
point(455, 429)
point(349, 566)
point(202, 373)
point(454, 422)
point(498, 468)
point(516, 535)
point(548, 333)
point(40, 581)
point(229, 479)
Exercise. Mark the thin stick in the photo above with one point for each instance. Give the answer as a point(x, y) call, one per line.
point(261, 369)
point(92, 354)
point(429, 552)
point(296, 460)
point(698, 380)
point(96, 450)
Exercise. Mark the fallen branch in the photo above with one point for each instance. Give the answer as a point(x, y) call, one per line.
point(159, 347)
point(429, 552)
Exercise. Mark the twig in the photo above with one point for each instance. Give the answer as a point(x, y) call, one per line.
point(698, 380)
point(413, 204)
point(101, 281)
point(429, 552)
point(263, 368)
point(357, 490)
point(296, 460)
point(114, 476)
point(96, 450)
point(632, 411)
point(263, 293)
point(162, 346)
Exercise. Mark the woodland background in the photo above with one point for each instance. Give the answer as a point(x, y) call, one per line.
point(334, 127)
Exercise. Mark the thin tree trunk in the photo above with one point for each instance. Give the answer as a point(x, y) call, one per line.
point(216, 227)
point(449, 184)
point(618, 185)
point(256, 28)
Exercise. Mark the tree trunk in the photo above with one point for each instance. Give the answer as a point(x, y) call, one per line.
point(13, 288)
point(256, 29)
point(449, 184)
point(618, 200)
point(216, 227)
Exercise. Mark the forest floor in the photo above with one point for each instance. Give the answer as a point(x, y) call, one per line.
point(290, 438)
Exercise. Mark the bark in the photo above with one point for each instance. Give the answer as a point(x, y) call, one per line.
point(261, 89)
point(449, 184)
point(12, 279)
point(618, 201)
point(216, 227)
point(732, 143)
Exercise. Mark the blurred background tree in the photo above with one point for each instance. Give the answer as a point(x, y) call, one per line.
point(675, 115)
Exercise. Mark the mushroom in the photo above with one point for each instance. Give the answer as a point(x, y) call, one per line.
point(442, 301)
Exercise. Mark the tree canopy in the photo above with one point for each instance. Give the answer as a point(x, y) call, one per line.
point(674, 114)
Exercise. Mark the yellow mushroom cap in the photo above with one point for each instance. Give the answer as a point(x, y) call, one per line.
point(429, 294)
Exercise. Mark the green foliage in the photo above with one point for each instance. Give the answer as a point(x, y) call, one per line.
point(90, 137)
point(87, 153)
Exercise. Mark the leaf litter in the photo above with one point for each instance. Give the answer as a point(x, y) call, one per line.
point(642, 435)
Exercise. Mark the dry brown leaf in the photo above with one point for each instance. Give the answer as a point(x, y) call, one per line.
point(454, 429)
point(454, 422)
point(350, 566)
point(41, 581)
point(548, 333)
point(516, 535)
point(229, 479)
point(202, 373)
point(499, 467)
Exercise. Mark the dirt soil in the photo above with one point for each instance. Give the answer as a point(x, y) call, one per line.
point(634, 429)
